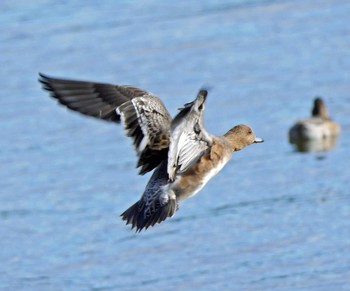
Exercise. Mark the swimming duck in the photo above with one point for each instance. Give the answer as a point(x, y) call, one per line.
point(183, 155)
point(317, 132)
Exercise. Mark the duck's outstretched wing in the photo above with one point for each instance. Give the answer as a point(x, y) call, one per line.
point(144, 116)
point(189, 140)
point(89, 98)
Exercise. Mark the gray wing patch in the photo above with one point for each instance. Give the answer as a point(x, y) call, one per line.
point(189, 139)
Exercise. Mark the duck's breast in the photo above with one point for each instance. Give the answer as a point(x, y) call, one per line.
point(195, 178)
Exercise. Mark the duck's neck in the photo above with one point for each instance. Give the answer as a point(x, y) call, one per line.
point(320, 109)
point(234, 144)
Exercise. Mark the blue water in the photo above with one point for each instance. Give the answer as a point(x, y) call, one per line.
point(273, 219)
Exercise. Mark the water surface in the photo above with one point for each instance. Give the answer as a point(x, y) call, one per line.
point(273, 219)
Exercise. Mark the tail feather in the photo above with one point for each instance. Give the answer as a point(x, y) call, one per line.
point(137, 217)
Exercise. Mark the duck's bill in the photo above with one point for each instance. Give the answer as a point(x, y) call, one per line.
point(258, 140)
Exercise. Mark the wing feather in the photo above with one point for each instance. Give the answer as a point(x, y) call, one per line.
point(189, 139)
point(90, 98)
point(144, 116)
point(147, 121)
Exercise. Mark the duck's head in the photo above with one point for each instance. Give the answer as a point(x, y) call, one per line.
point(241, 136)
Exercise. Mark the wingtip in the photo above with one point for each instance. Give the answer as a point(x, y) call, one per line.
point(42, 75)
point(201, 98)
point(203, 92)
point(43, 78)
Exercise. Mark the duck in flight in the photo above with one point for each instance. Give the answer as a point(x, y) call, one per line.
point(183, 155)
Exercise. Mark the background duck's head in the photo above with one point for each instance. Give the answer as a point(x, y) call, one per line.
point(319, 109)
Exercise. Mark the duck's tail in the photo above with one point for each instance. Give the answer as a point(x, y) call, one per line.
point(141, 216)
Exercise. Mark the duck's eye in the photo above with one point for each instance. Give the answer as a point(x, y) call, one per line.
point(250, 131)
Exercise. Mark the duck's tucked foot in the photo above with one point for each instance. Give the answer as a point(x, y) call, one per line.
point(142, 216)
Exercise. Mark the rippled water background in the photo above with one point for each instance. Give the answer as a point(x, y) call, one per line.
point(273, 219)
